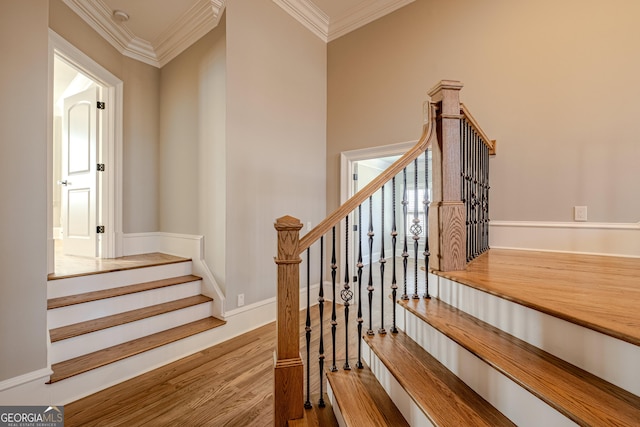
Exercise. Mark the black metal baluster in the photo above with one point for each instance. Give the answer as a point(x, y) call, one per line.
point(321, 314)
point(346, 295)
point(307, 403)
point(405, 253)
point(334, 323)
point(382, 261)
point(394, 236)
point(426, 224)
point(360, 265)
point(370, 234)
point(416, 229)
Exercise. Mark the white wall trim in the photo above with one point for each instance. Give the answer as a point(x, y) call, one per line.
point(613, 239)
point(41, 374)
point(110, 149)
point(183, 245)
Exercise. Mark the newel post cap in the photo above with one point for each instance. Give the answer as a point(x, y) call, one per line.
point(436, 92)
point(287, 223)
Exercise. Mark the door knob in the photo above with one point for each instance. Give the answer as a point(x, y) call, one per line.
point(65, 182)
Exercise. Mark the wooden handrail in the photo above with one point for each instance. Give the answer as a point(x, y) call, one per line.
point(491, 144)
point(357, 199)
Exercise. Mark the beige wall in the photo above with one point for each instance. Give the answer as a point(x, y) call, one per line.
point(140, 120)
point(192, 145)
point(556, 83)
point(276, 116)
point(23, 168)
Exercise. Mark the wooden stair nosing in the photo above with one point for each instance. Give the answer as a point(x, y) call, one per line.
point(81, 328)
point(373, 408)
point(119, 291)
point(444, 398)
point(579, 395)
point(87, 362)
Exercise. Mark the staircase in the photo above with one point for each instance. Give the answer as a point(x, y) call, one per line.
point(544, 340)
point(456, 361)
point(110, 326)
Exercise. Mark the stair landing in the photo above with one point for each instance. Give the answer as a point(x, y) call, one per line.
point(73, 266)
point(597, 292)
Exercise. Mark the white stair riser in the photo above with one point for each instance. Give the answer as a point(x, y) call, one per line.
point(76, 387)
point(405, 404)
point(98, 282)
point(92, 310)
point(518, 404)
point(88, 343)
point(609, 358)
point(335, 406)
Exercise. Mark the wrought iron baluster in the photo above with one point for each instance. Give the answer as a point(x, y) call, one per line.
point(334, 323)
point(426, 224)
point(307, 403)
point(405, 253)
point(370, 234)
point(394, 236)
point(346, 295)
point(321, 402)
point(416, 229)
point(382, 261)
point(360, 265)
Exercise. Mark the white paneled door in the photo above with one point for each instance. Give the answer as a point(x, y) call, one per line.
point(79, 178)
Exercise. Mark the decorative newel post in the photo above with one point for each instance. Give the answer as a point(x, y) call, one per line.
point(447, 219)
point(288, 371)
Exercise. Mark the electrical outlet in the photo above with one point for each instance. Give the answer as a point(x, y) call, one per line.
point(579, 213)
point(240, 300)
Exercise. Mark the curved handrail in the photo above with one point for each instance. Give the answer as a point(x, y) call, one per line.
point(357, 199)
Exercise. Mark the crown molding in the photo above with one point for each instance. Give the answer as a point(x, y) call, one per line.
point(361, 15)
point(195, 23)
point(319, 23)
point(309, 15)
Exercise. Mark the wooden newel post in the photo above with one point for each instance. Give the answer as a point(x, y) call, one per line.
point(288, 372)
point(447, 218)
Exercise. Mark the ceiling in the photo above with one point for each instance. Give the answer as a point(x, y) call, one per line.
point(156, 31)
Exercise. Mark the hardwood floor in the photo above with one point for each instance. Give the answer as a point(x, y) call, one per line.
point(72, 266)
point(231, 384)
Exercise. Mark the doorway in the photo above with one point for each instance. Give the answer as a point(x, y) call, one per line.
point(85, 183)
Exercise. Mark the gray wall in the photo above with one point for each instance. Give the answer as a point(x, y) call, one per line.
point(556, 83)
point(23, 168)
point(192, 145)
point(276, 118)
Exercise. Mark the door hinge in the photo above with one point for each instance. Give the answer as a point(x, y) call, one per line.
point(100, 229)
point(100, 105)
point(355, 227)
point(355, 176)
point(100, 167)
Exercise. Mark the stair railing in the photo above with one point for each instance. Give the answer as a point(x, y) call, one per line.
point(454, 187)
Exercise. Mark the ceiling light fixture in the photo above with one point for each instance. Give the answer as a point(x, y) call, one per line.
point(120, 16)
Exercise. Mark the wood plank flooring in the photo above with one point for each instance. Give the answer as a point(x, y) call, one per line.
point(600, 293)
point(231, 384)
point(75, 266)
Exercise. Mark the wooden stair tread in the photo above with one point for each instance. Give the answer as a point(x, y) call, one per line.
point(94, 325)
point(579, 395)
point(94, 360)
point(119, 291)
point(316, 416)
point(444, 398)
point(373, 407)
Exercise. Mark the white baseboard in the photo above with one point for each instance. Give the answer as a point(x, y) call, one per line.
point(40, 374)
point(614, 239)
